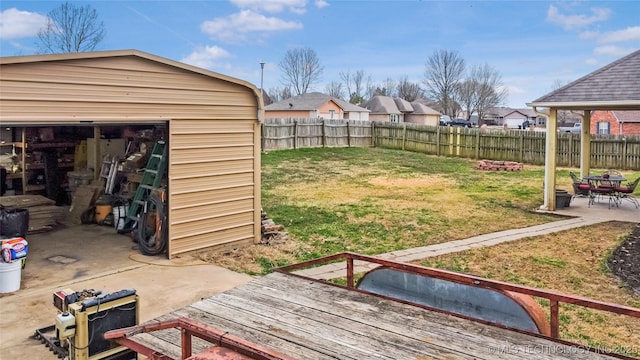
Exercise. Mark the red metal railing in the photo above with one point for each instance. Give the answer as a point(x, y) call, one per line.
point(555, 298)
point(237, 348)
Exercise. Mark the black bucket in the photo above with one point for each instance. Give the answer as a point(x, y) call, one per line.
point(14, 222)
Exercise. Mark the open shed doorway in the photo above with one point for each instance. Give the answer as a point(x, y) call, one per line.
point(49, 170)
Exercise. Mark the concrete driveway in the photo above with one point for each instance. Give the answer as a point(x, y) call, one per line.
point(95, 257)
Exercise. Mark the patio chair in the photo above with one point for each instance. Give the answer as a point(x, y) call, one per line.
point(579, 188)
point(626, 192)
point(597, 192)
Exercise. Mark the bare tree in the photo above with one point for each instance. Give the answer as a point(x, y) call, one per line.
point(443, 72)
point(71, 29)
point(354, 82)
point(334, 89)
point(483, 89)
point(490, 89)
point(300, 69)
point(408, 90)
point(279, 94)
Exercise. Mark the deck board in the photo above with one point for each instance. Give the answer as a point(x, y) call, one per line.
point(312, 320)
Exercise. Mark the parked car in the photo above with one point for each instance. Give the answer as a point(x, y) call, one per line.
point(571, 129)
point(460, 122)
point(444, 120)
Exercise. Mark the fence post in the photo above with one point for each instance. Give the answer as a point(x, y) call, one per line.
point(438, 133)
point(521, 156)
point(324, 134)
point(478, 143)
point(348, 135)
point(295, 134)
point(373, 134)
point(404, 135)
point(624, 153)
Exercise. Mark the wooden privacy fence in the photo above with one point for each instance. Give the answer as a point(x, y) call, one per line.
point(278, 134)
point(607, 151)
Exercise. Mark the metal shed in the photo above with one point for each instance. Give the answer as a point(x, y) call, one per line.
point(213, 127)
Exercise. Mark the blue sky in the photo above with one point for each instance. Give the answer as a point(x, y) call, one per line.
point(533, 44)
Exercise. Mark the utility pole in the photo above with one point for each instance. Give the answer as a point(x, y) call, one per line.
point(261, 77)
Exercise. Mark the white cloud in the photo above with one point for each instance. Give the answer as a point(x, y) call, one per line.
point(629, 34)
point(206, 57)
point(612, 50)
point(569, 22)
point(321, 3)
point(591, 61)
point(272, 6)
point(589, 35)
point(15, 24)
point(237, 26)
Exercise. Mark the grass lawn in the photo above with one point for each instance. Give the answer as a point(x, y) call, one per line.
point(374, 201)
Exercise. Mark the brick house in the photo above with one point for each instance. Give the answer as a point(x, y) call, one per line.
point(615, 122)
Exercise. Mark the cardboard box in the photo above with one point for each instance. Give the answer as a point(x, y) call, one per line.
point(135, 161)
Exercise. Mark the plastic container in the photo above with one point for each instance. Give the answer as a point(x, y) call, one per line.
point(563, 199)
point(10, 274)
point(119, 216)
point(77, 178)
point(102, 211)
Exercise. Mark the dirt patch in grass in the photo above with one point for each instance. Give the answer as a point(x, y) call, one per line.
point(572, 262)
point(258, 259)
point(428, 181)
point(625, 260)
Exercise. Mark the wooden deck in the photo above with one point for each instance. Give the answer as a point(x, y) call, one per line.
point(311, 320)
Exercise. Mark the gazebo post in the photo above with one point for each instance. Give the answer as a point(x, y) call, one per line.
point(585, 144)
point(550, 161)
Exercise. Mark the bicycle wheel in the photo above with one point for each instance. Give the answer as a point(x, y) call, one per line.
point(152, 227)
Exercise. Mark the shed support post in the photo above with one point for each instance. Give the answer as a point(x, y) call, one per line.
point(96, 151)
point(551, 149)
point(585, 144)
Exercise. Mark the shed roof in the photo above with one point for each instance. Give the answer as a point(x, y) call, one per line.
point(124, 53)
point(614, 86)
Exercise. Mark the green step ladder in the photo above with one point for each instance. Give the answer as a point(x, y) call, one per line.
point(151, 179)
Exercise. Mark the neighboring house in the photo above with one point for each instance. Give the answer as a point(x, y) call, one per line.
point(505, 115)
point(316, 105)
point(396, 110)
point(615, 122)
point(384, 108)
point(422, 114)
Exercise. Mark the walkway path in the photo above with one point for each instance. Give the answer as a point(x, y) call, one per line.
point(337, 270)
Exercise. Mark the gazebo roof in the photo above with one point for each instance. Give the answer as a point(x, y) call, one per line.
point(613, 87)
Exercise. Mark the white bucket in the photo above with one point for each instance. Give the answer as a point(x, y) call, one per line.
point(119, 216)
point(10, 276)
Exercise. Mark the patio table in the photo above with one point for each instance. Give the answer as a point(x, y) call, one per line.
point(600, 185)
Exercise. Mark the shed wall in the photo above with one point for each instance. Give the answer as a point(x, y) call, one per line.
point(214, 182)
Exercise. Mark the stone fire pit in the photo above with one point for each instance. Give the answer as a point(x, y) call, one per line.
point(493, 165)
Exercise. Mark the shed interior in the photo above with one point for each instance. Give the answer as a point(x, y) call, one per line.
point(45, 166)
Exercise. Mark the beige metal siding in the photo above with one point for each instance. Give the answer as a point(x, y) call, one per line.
point(211, 174)
point(119, 89)
point(214, 155)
